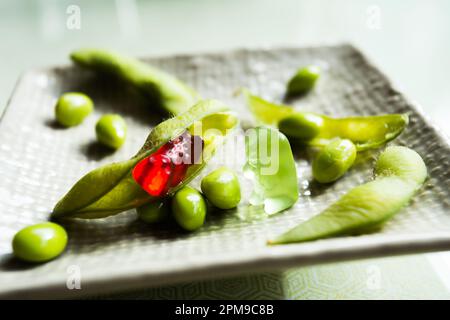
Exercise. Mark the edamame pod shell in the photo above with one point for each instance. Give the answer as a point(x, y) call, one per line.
point(111, 189)
point(366, 132)
point(368, 205)
point(162, 89)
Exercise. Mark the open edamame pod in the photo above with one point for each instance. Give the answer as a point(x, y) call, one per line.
point(120, 186)
point(366, 132)
point(170, 94)
point(399, 173)
point(271, 166)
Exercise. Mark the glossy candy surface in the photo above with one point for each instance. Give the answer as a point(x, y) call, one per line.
point(167, 167)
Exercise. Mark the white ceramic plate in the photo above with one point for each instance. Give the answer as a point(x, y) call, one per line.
point(39, 162)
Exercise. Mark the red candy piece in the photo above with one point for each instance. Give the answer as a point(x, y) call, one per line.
point(167, 167)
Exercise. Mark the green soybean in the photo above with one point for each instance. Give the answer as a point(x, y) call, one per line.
point(72, 108)
point(40, 242)
point(303, 81)
point(334, 160)
point(111, 130)
point(221, 187)
point(189, 208)
point(399, 173)
point(154, 212)
point(304, 125)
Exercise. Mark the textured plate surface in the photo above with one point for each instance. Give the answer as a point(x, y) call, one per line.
point(39, 162)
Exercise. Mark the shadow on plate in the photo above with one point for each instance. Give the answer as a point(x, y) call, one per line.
point(94, 150)
point(9, 263)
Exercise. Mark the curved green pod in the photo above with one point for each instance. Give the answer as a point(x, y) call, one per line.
point(111, 189)
point(399, 173)
point(166, 91)
point(366, 132)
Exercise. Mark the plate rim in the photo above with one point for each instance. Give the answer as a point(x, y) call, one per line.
point(275, 258)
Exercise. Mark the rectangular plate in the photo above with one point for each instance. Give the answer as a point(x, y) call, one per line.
point(39, 162)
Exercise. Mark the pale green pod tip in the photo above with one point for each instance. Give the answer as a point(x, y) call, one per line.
point(399, 171)
point(401, 162)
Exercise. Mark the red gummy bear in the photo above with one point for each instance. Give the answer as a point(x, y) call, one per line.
point(167, 167)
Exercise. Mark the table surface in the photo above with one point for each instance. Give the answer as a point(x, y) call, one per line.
point(396, 35)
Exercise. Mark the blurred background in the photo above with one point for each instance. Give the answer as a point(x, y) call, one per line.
point(408, 40)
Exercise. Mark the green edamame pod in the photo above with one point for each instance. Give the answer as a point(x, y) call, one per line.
point(399, 172)
point(334, 160)
point(169, 93)
point(303, 81)
point(111, 189)
point(366, 132)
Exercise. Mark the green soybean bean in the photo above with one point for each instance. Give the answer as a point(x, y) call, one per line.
point(189, 208)
point(399, 173)
point(72, 108)
point(304, 125)
point(221, 187)
point(40, 242)
point(333, 161)
point(111, 130)
point(303, 81)
point(154, 211)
